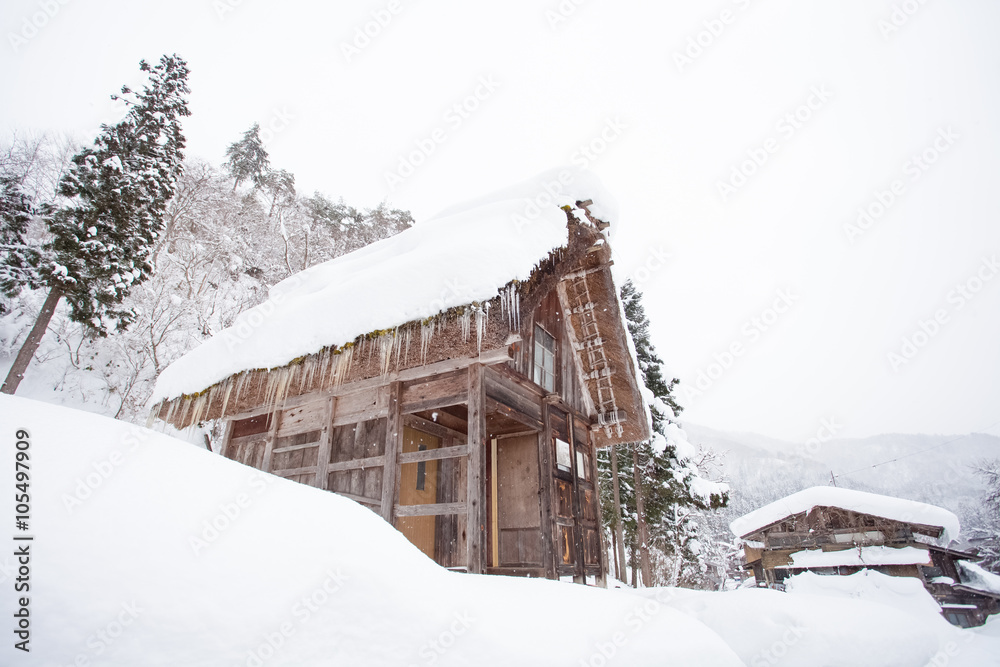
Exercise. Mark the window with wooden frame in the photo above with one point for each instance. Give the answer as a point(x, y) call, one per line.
point(564, 460)
point(582, 465)
point(544, 359)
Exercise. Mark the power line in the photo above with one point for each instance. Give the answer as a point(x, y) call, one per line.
point(940, 444)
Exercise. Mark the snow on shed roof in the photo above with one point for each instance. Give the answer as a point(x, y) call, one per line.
point(975, 577)
point(861, 556)
point(464, 254)
point(887, 507)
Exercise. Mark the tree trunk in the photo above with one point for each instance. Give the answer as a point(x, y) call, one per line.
point(619, 536)
point(614, 547)
point(30, 345)
point(635, 570)
point(640, 510)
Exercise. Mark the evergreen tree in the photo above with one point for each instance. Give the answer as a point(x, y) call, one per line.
point(247, 159)
point(115, 195)
point(663, 470)
point(18, 259)
point(987, 525)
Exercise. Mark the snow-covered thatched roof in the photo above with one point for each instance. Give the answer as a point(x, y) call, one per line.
point(465, 254)
point(451, 287)
point(861, 502)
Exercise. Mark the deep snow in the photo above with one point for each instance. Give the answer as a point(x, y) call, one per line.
point(149, 551)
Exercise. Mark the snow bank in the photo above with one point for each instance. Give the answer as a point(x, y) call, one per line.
point(149, 551)
point(976, 577)
point(860, 556)
point(902, 593)
point(768, 628)
point(887, 507)
point(464, 254)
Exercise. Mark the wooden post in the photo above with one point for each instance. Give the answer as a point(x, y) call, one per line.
point(230, 425)
point(545, 495)
point(619, 531)
point(272, 436)
point(580, 567)
point(475, 521)
point(393, 447)
point(31, 343)
point(323, 455)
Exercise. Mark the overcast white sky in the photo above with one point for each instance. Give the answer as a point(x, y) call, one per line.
point(868, 90)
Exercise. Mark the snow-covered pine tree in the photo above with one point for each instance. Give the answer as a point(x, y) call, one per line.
point(247, 159)
point(663, 467)
point(18, 259)
point(986, 527)
point(114, 198)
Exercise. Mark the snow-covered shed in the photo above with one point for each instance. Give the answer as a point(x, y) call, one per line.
point(837, 531)
point(455, 378)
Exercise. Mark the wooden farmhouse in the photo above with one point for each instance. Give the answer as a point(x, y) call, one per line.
point(834, 531)
point(457, 379)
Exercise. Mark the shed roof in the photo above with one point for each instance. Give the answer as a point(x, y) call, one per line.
point(886, 507)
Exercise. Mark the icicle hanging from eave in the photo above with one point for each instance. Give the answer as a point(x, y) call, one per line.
point(510, 306)
point(154, 413)
point(342, 366)
point(426, 335)
point(227, 392)
point(465, 323)
point(481, 312)
point(387, 342)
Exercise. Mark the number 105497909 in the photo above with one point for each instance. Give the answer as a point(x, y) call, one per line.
point(22, 479)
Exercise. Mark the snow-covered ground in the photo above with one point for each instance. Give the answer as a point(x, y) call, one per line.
point(149, 551)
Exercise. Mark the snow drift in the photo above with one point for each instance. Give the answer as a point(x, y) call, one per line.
point(150, 551)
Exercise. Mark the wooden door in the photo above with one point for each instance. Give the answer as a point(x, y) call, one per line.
point(518, 521)
point(418, 485)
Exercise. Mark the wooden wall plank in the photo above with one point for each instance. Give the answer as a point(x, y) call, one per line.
point(434, 454)
point(515, 393)
point(436, 392)
point(430, 509)
point(308, 417)
point(359, 406)
point(356, 464)
point(434, 428)
point(362, 499)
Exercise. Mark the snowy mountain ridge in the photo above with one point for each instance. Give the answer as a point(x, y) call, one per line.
point(934, 469)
